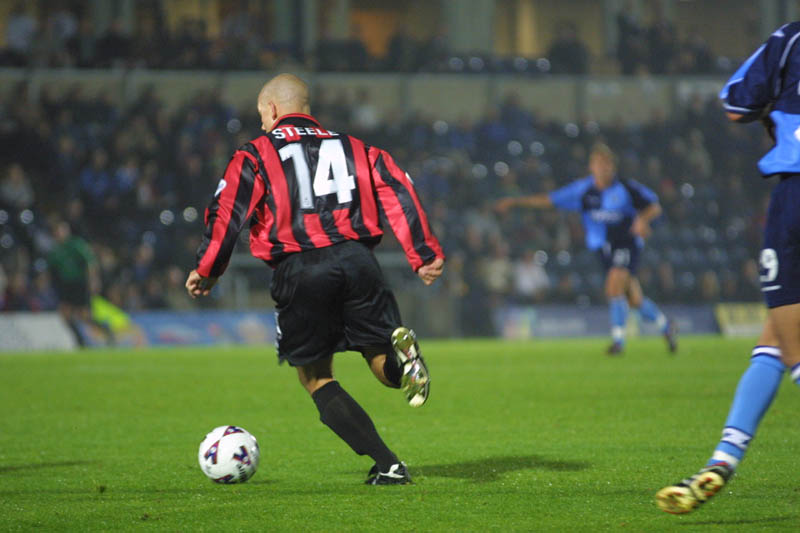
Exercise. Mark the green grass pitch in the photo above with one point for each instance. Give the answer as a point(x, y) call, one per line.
point(517, 436)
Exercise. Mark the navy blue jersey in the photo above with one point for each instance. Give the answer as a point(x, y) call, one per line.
point(607, 214)
point(769, 81)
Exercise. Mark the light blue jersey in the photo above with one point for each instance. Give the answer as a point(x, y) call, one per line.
point(607, 214)
point(769, 81)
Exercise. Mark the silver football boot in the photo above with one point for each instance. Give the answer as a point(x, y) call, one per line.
point(415, 382)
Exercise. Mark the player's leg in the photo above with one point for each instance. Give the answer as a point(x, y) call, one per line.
point(372, 325)
point(786, 320)
point(649, 312)
point(778, 347)
point(307, 289)
point(386, 369)
point(340, 412)
point(404, 369)
point(615, 288)
point(754, 394)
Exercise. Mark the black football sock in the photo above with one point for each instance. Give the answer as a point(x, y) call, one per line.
point(340, 412)
point(392, 370)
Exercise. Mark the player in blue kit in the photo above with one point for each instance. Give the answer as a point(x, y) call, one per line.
point(766, 87)
point(616, 215)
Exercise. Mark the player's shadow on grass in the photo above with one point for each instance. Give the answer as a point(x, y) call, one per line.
point(38, 466)
point(737, 522)
point(491, 468)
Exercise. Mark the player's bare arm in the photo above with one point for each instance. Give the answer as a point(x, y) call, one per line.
point(641, 224)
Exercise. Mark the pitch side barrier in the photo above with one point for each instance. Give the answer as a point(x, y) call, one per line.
point(528, 322)
point(47, 331)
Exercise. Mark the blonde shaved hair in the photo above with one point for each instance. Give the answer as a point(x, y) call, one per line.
point(282, 95)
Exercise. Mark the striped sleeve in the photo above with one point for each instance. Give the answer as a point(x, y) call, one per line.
point(238, 194)
point(402, 209)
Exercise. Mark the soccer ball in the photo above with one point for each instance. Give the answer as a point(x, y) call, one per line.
point(229, 454)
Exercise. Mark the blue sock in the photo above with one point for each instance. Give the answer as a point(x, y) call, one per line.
point(755, 393)
point(796, 374)
point(618, 309)
point(650, 312)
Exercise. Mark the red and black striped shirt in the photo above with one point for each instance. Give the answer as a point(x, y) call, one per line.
point(304, 187)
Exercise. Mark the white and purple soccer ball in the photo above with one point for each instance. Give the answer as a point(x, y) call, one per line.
point(229, 454)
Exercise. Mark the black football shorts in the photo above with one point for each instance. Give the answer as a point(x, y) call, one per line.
point(331, 300)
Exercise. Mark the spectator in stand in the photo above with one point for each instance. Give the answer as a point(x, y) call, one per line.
point(20, 32)
point(402, 53)
point(631, 49)
point(43, 296)
point(149, 44)
point(82, 46)
point(170, 155)
point(97, 185)
point(694, 56)
point(366, 116)
point(567, 54)
point(497, 272)
point(16, 296)
point(15, 189)
point(114, 46)
point(662, 43)
point(531, 281)
point(191, 47)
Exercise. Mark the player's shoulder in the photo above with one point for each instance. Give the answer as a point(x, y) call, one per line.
point(630, 183)
point(788, 30)
point(250, 149)
point(783, 35)
point(635, 187)
point(585, 183)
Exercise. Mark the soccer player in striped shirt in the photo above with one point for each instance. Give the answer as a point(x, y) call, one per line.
point(316, 201)
point(767, 88)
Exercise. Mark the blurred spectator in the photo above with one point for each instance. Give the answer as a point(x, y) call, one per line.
point(43, 296)
point(567, 54)
point(82, 46)
point(62, 22)
point(530, 278)
point(15, 189)
point(190, 48)
point(661, 42)
point(366, 117)
point(709, 286)
point(113, 47)
point(694, 56)
point(149, 45)
point(631, 47)
point(133, 179)
point(16, 296)
point(402, 53)
point(497, 271)
point(20, 32)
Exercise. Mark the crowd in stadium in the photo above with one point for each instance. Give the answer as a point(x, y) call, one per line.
point(64, 37)
point(133, 181)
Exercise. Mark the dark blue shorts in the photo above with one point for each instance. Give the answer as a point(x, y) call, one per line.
point(779, 262)
point(624, 255)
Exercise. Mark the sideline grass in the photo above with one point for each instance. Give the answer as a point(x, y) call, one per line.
point(534, 436)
